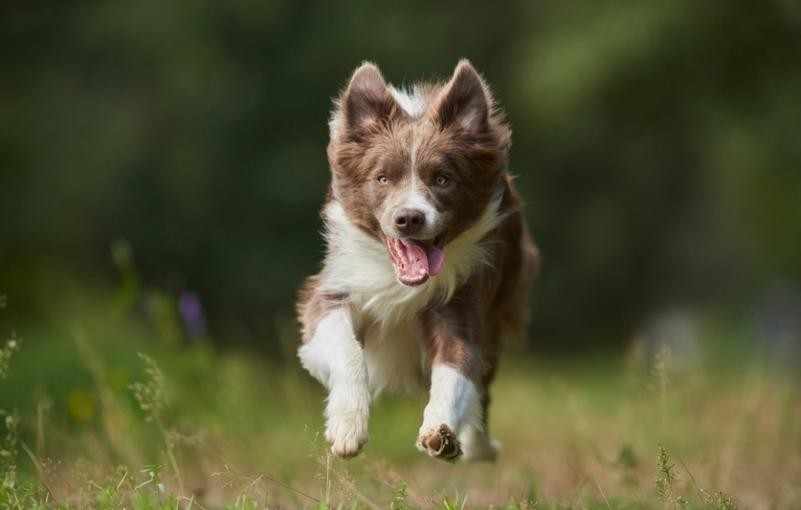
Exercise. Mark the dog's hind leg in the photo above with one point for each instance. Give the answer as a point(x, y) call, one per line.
point(478, 445)
point(335, 357)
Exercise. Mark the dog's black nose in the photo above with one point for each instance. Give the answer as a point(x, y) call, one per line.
point(409, 221)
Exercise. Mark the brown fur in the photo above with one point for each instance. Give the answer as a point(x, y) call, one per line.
point(462, 134)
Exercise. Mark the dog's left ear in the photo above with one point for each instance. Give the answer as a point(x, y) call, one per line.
point(465, 100)
point(366, 102)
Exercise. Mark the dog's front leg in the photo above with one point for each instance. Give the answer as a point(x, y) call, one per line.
point(335, 357)
point(454, 401)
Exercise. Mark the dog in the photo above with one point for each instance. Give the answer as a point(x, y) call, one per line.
point(427, 263)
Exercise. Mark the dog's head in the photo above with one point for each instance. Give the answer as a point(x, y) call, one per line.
point(416, 168)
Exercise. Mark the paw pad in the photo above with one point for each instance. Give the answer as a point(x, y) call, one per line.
point(440, 443)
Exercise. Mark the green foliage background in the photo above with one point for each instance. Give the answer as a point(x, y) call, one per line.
point(655, 143)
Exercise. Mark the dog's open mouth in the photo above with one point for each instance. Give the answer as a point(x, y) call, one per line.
point(416, 259)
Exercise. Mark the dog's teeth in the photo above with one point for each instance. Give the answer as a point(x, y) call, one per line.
point(422, 271)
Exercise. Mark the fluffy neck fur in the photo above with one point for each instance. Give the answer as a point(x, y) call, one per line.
point(359, 264)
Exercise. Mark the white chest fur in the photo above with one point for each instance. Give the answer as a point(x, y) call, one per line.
point(384, 311)
point(395, 356)
point(359, 265)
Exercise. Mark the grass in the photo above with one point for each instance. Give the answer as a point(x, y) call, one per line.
point(91, 423)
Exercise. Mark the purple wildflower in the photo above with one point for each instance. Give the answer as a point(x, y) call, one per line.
point(191, 310)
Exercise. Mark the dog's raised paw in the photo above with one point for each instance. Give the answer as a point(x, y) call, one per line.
point(440, 443)
point(346, 438)
point(346, 427)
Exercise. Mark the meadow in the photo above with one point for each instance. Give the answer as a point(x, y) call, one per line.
point(655, 145)
point(112, 406)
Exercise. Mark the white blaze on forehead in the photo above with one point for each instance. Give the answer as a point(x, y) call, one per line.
point(414, 198)
point(412, 101)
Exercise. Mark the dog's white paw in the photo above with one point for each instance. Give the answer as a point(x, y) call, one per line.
point(346, 428)
point(346, 437)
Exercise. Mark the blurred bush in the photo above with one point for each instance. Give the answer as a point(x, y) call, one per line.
point(656, 146)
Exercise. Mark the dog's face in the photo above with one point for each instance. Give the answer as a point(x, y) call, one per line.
point(416, 169)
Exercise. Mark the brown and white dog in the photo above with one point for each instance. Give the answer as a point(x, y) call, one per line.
point(427, 260)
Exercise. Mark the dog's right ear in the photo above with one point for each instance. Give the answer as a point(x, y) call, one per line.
point(366, 103)
point(465, 101)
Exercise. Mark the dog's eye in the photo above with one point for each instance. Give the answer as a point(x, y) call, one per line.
point(441, 179)
point(383, 179)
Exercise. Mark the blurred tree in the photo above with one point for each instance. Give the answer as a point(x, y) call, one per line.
point(655, 143)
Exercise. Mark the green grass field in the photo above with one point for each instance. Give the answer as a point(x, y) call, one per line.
point(91, 424)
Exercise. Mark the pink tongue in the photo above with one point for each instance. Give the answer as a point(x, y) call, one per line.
point(423, 255)
point(435, 259)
